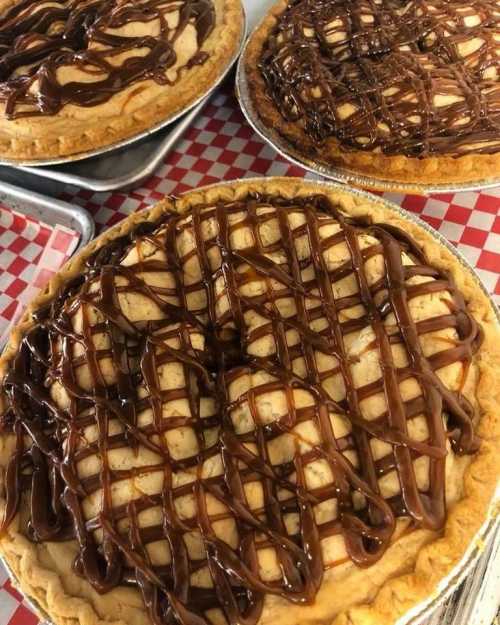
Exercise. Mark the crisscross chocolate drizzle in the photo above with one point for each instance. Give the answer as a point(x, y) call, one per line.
point(411, 77)
point(37, 40)
point(44, 463)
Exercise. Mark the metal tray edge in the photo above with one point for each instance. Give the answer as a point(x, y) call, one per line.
point(134, 177)
point(70, 215)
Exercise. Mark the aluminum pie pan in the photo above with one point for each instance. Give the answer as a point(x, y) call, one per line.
point(338, 174)
point(449, 584)
point(124, 143)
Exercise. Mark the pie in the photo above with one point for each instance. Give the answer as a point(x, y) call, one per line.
point(77, 75)
point(270, 401)
point(405, 91)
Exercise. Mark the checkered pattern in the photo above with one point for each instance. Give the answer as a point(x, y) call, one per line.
point(30, 253)
point(221, 146)
point(13, 608)
point(471, 221)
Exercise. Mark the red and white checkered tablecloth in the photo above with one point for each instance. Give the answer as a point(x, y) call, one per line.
point(221, 146)
point(30, 252)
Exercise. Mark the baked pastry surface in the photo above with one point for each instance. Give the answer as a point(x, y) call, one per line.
point(405, 91)
point(77, 75)
point(242, 401)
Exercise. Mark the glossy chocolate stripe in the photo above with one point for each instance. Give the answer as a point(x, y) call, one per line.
point(36, 43)
point(47, 467)
point(410, 77)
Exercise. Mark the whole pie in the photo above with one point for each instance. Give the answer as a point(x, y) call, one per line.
point(268, 402)
point(77, 75)
point(404, 91)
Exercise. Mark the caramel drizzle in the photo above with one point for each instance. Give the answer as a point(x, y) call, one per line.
point(373, 74)
point(35, 43)
point(46, 467)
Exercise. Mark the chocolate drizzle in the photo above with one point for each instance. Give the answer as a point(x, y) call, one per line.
point(38, 40)
point(194, 282)
point(411, 77)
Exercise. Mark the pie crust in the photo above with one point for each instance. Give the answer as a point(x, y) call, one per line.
point(432, 168)
point(413, 565)
point(138, 106)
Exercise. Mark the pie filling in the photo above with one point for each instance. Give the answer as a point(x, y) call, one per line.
point(82, 52)
point(399, 77)
point(228, 402)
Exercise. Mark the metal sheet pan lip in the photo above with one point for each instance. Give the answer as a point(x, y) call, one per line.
point(134, 177)
point(338, 174)
point(450, 583)
point(78, 218)
point(29, 164)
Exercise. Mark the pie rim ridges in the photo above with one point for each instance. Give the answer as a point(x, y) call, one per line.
point(434, 560)
point(78, 130)
point(382, 170)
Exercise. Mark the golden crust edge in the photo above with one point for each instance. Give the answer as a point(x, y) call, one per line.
point(436, 559)
point(56, 143)
point(397, 169)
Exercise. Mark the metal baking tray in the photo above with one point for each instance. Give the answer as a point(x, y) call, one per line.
point(49, 210)
point(127, 163)
point(458, 599)
point(122, 168)
point(337, 174)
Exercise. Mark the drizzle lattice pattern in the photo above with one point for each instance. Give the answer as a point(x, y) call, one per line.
point(411, 77)
point(93, 40)
point(215, 387)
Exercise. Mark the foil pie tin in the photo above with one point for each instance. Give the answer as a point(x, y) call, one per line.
point(124, 143)
point(337, 174)
point(486, 533)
